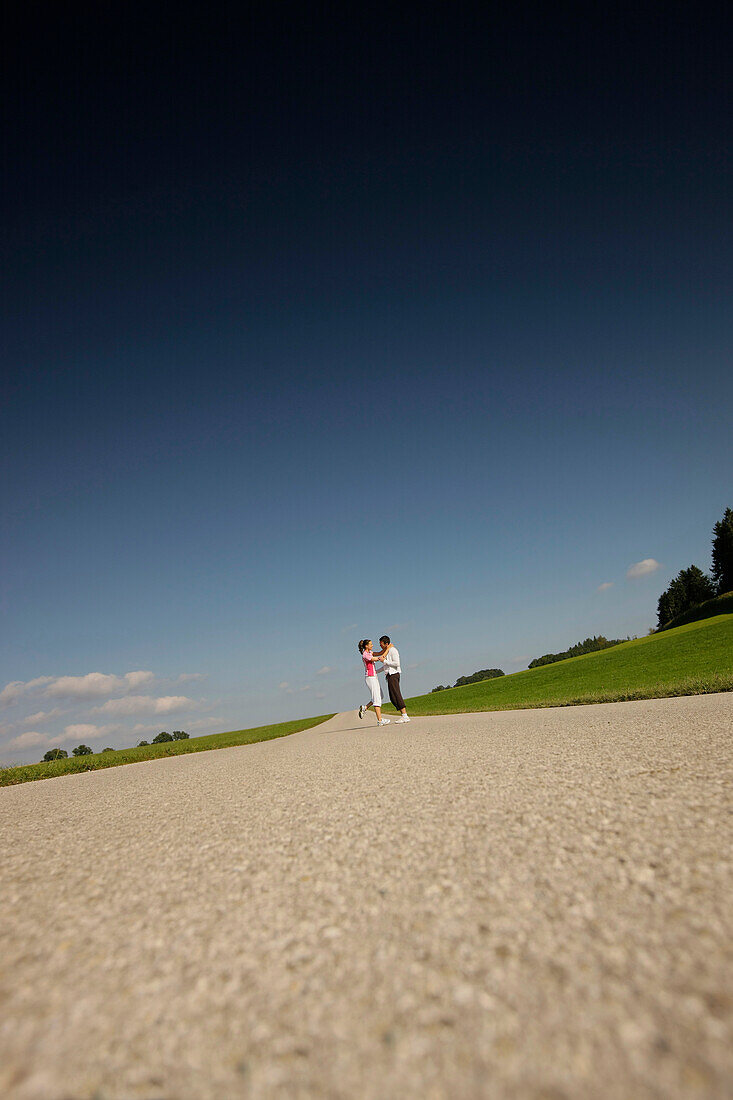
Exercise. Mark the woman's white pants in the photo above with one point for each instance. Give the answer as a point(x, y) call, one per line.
point(373, 684)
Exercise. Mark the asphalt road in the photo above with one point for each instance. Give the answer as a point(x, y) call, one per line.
point(529, 904)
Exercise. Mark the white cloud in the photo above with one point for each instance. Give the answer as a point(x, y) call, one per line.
point(91, 686)
point(82, 731)
point(284, 686)
point(25, 740)
point(605, 586)
point(186, 677)
point(16, 689)
point(169, 703)
point(42, 716)
point(411, 668)
point(318, 696)
point(12, 692)
point(351, 626)
point(643, 568)
point(324, 671)
point(137, 679)
point(85, 731)
point(95, 684)
point(306, 687)
point(145, 704)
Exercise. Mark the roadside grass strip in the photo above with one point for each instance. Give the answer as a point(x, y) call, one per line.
point(694, 659)
point(52, 768)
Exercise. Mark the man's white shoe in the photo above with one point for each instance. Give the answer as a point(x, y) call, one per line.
point(401, 721)
point(384, 722)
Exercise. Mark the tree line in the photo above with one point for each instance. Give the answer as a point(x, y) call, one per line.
point(692, 586)
point(476, 678)
point(85, 750)
point(588, 645)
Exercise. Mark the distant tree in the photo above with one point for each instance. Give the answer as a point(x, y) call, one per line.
point(161, 738)
point(722, 569)
point(56, 754)
point(440, 687)
point(180, 735)
point(142, 744)
point(697, 585)
point(108, 749)
point(82, 750)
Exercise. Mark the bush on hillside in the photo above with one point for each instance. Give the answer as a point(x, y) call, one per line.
point(440, 687)
point(56, 754)
point(82, 750)
point(143, 744)
point(720, 605)
point(180, 735)
point(588, 645)
point(161, 738)
point(688, 589)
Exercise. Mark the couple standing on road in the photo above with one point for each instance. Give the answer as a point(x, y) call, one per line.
point(390, 658)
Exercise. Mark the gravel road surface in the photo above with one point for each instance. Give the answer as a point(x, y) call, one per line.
point(528, 904)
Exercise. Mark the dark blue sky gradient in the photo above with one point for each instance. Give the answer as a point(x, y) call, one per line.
point(312, 322)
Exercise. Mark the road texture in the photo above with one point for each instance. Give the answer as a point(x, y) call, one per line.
point(529, 904)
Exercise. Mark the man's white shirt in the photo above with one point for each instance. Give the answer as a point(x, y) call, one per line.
point(391, 661)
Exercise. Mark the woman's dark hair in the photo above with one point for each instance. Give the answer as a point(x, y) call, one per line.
point(363, 644)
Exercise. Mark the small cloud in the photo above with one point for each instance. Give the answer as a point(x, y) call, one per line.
point(306, 687)
point(324, 671)
point(204, 723)
point(351, 626)
point(603, 587)
point(145, 704)
point(25, 740)
point(398, 626)
point(285, 686)
point(319, 696)
point(188, 677)
point(411, 668)
point(643, 568)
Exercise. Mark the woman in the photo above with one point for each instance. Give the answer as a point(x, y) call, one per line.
point(365, 648)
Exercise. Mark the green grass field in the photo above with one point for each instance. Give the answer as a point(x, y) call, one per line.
point(53, 768)
point(694, 659)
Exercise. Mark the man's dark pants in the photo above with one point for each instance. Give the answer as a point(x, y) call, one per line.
point(393, 687)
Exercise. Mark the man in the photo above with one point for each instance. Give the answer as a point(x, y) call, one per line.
point(390, 658)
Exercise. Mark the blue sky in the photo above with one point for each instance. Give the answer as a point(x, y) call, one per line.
point(415, 364)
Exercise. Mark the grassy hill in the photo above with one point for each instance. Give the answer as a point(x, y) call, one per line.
point(693, 659)
point(51, 768)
